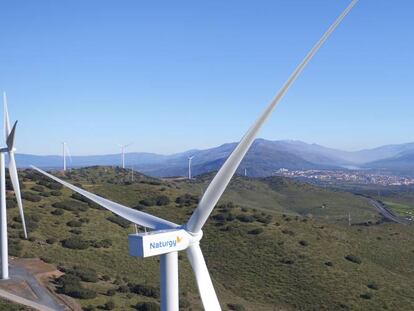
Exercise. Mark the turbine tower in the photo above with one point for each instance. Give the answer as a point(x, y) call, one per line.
point(9, 134)
point(123, 147)
point(168, 238)
point(189, 166)
point(65, 153)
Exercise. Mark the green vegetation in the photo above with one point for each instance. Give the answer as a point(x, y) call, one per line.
point(270, 243)
point(10, 306)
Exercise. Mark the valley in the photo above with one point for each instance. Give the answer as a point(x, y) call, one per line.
point(270, 244)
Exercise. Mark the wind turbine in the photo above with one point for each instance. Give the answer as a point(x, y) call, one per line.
point(189, 166)
point(9, 134)
point(65, 153)
point(168, 238)
point(123, 147)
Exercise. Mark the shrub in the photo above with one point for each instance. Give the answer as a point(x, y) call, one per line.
point(148, 202)
point(288, 232)
point(53, 185)
point(31, 197)
point(111, 292)
point(139, 207)
point(119, 221)
point(353, 258)
point(106, 243)
point(162, 200)
point(329, 263)
point(255, 231)
point(57, 212)
point(236, 307)
point(70, 285)
point(51, 241)
point(38, 188)
point(71, 206)
point(147, 306)
point(56, 193)
point(264, 219)
point(110, 305)
point(245, 218)
point(15, 248)
point(304, 243)
point(74, 223)
point(144, 290)
point(86, 274)
point(366, 296)
point(123, 289)
point(75, 243)
point(186, 200)
point(373, 286)
point(11, 203)
point(79, 197)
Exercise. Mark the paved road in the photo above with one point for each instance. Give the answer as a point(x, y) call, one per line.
point(387, 213)
point(45, 300)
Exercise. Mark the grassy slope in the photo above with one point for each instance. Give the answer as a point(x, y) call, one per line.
point(6, 305)
point(263, 272)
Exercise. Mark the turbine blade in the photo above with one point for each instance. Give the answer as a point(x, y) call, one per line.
point(134, 216)
point(226, 172)
point(10, 138)
point(68, 153)
point(16, 186)
point(205, 285)
point(6, 117)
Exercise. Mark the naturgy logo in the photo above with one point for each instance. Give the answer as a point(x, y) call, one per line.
point(165, 244)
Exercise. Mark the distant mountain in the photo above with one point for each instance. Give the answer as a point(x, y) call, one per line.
point(263, 159)
point(401, 164)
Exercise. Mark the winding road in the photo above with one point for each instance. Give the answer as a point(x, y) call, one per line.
point(387, 213)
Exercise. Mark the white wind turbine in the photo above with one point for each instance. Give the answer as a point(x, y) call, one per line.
point(123, 147)
point(168, 238)
point(190, 159)
point(65, 153)
point(10, 150)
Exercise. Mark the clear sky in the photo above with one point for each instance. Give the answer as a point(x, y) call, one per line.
point(175, 75)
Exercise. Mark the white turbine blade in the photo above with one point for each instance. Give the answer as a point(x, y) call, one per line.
point(10, 138)
point(134, 216)
point(6, 117)
point(226, 172)
point(205, 285)
point(68, 153)
point(16, 186)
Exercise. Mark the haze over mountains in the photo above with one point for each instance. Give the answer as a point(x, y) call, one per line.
point(263, 159)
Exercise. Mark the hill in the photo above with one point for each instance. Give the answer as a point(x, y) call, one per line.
point(263, 159)
point(271, 244)
point(402, 164)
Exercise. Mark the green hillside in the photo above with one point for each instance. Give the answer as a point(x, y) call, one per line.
point(271, 244)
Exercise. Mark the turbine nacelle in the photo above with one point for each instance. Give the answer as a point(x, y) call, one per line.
point(161, 242)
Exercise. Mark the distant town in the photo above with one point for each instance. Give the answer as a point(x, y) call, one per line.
point(349, 176)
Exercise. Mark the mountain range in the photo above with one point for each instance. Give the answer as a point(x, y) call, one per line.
point(263, 159)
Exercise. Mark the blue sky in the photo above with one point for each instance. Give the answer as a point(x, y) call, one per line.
point(175, 75)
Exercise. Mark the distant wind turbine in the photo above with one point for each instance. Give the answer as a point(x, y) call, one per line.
point(169, 238)
point(190, 159)
point(66, 153)
point(10, 149)
point(123, 147)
